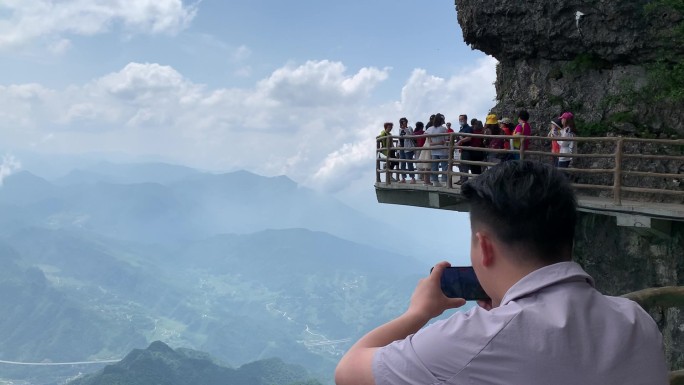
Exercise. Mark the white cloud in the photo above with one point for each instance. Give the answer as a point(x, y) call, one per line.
point(313, 122)
point(319, 83)
point(340, 166)
point(466, 92)
point(8, 167)
point(29, 20)
point(144, 82)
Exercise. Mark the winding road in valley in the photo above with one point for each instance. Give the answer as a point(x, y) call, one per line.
point(58, 363)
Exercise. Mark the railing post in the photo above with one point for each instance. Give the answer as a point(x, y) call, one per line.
point(617, 179)
point(450, 169)
point(377, 164)
point(388, 164)
point(522, 147)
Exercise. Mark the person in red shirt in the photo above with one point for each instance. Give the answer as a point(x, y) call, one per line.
point(506, 129)
point(419, 130)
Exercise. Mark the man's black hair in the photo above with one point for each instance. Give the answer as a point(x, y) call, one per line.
point(524, 115)
point(419, 125)
point(527, 204)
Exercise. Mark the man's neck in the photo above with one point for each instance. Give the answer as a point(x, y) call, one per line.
point(512, 271)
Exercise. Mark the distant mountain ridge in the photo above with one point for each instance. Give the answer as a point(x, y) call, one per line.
point(149, 202)
point(161, 365)
point(131, 173)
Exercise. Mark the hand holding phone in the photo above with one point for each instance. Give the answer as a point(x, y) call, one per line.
point(461, 282)
point(427, 300)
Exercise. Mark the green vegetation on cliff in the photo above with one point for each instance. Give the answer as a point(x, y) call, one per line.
point(666, 76)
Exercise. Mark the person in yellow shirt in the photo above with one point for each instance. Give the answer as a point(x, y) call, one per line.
point(385, 144)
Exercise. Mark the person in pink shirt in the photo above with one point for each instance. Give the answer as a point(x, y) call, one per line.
point(522, 129)
point(545, 323)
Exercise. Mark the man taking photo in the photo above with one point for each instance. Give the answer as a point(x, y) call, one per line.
point(545, 324)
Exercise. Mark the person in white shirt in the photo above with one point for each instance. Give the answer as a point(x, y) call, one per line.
point(439, 153)
point(567, 146)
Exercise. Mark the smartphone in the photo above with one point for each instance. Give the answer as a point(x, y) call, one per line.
point(461, 282)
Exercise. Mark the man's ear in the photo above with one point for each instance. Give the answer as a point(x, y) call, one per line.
point(484, 243)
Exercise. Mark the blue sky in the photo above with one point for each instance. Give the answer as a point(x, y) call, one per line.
point(296, 88)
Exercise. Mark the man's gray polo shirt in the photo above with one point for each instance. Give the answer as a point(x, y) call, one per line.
point(552, 328)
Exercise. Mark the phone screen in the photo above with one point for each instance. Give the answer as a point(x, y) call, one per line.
point(461, 282)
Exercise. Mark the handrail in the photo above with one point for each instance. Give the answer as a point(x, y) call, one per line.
point(621, 157)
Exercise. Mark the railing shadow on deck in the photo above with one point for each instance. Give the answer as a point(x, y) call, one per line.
point(652, 169)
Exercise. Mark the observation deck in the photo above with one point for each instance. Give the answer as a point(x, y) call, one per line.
point(638, 181)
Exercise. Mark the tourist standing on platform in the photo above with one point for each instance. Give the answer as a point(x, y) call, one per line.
point(423, 155)
point(506, 129)
point(476, 144)
point(439, 153)
point(431, 122)
point(522, 129)
point(555, 132)
point(465, 154)
point(406, 152)
point(567, 146)
point(492, 128)
point(464, 141)
point(385, 143)
point(420, 140)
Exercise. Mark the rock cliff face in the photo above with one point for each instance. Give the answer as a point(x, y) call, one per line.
point(627, 259)
point(618, 66)
point(602, 60)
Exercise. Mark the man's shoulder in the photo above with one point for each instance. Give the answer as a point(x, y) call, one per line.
point(477, 324)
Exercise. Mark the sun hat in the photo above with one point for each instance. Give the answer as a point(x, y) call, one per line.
point(566, 115)
point(491, 119)
point(505, 121)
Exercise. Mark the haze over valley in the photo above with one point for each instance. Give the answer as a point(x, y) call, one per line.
point(109, 259)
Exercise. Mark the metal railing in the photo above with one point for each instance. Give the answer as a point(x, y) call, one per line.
point(630, 162)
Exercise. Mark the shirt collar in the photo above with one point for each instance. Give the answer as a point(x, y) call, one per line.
point(557, 273)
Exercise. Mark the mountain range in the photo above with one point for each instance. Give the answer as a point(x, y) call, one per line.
point(157, 202)
point(100, 263)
